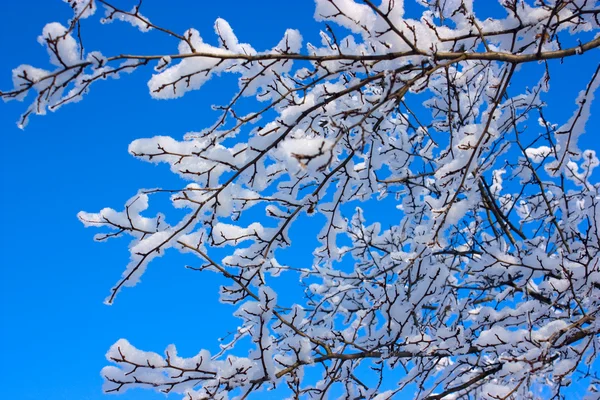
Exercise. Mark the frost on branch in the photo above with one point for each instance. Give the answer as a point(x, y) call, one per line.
point(82, 8)
point(457, 223)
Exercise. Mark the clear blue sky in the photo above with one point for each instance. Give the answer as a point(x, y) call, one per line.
point(54, 327)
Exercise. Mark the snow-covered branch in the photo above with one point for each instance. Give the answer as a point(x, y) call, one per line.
point(477, 276)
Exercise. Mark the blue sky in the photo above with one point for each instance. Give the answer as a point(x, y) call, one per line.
point(54, 327)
